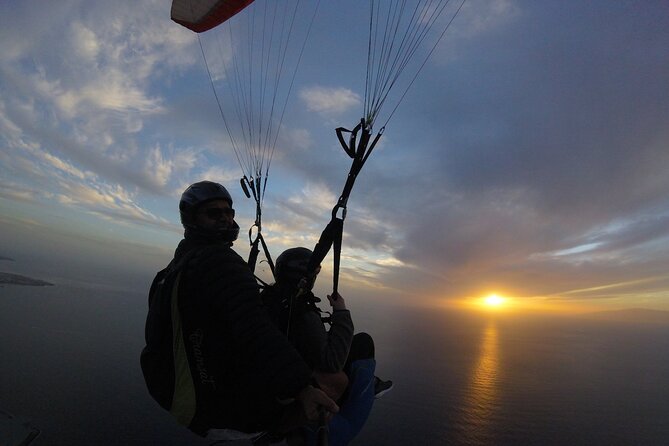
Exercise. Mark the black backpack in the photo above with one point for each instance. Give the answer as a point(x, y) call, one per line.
point(157, 357)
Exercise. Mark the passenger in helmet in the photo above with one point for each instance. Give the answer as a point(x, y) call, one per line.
point(300, 317)
point(326, 351)
point(213, 357)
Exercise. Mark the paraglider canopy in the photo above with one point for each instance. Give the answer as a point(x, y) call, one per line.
point(203, 15)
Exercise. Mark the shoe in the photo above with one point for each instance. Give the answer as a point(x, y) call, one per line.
point(381, 387)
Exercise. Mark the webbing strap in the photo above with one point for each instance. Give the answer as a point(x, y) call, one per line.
point(253, 255)
point(332, 235)
point(337, 256)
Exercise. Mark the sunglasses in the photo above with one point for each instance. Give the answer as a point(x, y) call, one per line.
point(217, 213)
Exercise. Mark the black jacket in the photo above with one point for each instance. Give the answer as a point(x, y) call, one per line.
point(213, 358)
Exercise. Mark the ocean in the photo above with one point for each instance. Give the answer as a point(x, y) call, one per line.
point(70, 367)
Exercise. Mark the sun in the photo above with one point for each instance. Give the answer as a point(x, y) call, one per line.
point(494, 301)
point(490, 303)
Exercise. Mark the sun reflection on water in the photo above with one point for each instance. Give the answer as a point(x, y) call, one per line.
point(480, 397)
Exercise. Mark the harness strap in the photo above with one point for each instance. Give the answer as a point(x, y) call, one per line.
point(337, 257)
point(332, 235)
point(253, 255)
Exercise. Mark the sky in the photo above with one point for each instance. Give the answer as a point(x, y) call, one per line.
point(529, 158)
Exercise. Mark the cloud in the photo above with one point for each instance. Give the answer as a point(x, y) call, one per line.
point(84, 41)
point(111, 90)
point(60, 165)
point(479, 17)
point(329, 102)
point(294, 139)
point(157, 167)
point(281, 235)
point(81, 87)
point(311, 202)
point(113, 203)
point(219, 174)
point(627, 241)
point(49, 178)
point(16, 192)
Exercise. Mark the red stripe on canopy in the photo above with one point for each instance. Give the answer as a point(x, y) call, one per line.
point(200, 16)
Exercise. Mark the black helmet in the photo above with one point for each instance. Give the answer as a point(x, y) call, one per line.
point(291, 265)
point(195, 196)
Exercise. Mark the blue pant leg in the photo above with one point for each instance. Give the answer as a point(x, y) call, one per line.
point(353, 412)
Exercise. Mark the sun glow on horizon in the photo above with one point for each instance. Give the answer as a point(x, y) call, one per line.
point(500, 303)
point(494, 300)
